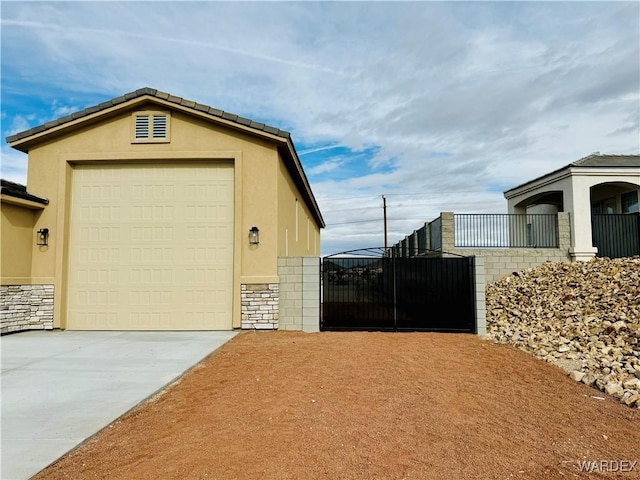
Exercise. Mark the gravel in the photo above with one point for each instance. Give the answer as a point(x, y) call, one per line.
point(583, 317)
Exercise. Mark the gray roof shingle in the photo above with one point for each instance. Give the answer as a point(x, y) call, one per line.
point(597, 160)
point(154, 93)
point(17, 190)
point(594, 160)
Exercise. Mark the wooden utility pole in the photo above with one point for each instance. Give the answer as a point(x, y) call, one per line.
point(384, 209)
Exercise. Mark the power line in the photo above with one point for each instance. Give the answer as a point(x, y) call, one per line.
point(376, 220)
point(434, 193)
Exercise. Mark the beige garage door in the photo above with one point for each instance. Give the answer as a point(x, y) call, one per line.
point(151, 247)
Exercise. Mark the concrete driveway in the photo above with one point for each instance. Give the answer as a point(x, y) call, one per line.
point(61, 387)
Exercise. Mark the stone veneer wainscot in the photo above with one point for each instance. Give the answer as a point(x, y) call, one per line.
point(260, 309)
point(26, 307)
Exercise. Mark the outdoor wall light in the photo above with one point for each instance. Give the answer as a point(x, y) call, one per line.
point(254, 236)
point(43, 237)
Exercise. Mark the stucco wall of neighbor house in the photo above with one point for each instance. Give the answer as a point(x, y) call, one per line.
point(575, 185)
point(108, 140)
point(501, 262)
point(299, 293)
point(298, 232)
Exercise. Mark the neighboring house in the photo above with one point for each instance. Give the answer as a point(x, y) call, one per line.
point(588, 208)
point(151, 204)
point(588, 188)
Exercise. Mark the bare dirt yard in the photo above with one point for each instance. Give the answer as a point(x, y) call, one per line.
point(290, 405)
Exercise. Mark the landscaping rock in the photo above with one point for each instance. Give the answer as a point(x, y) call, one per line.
point(614, 389)
point(577, 376)
point(583, 317)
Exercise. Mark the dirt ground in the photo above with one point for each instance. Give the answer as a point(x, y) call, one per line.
point(290, 405)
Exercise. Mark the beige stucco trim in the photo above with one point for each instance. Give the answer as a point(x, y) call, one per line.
point(128, 157)
point(61, 259)
point(27, 280)
point(259, 279)
point(62, 254)
point(21, 202)
point(237, 236)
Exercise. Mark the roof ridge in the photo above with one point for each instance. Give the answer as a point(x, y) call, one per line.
point(245, 122)
point(603, 156)
point(582, 160)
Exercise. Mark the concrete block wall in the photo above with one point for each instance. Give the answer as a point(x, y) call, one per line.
point(501, 262)
point(299, 293)
point(26, 307)
point(480, 292)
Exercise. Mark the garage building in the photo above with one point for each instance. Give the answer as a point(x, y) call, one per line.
point(158, 213)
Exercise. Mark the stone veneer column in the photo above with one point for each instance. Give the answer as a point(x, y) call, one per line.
point(26, 307)
point(260, 306)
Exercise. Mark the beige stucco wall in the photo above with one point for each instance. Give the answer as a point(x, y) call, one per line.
point(298, 233)
point(17, 240)
point(260, 183)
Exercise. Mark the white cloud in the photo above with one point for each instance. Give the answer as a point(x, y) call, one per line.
point(324, 167)
point(59, 110)
point(436, 98)
point(13, 166)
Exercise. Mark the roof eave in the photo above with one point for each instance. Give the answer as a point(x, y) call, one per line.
point(568, 170)
point(536, 182)
point(22, 202)
point(24, 143)
point(303, 183)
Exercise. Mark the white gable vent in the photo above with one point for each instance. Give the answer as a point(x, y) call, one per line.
point(142, 126)
point(150, 127)
point(159, 126)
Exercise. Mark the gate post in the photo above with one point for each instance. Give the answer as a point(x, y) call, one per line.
point(310, 294)
point(480, 294)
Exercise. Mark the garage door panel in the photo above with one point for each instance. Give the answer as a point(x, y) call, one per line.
point(154, 251)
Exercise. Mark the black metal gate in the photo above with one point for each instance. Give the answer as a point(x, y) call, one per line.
point(398, 294)
point(616, 235)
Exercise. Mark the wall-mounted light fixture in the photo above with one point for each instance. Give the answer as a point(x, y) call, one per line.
point(254, 236)
point(43, 237)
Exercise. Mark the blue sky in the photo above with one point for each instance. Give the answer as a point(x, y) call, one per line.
point(439, 106)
